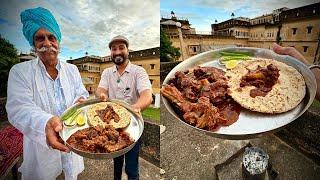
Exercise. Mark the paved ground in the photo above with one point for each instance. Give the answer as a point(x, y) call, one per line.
point(103, 170)
point(189, 154)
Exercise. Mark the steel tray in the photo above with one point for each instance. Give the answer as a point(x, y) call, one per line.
point(250, 124)
point(134, 129)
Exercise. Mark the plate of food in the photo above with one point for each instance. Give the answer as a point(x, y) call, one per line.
point(97, 130)
point(238, 93)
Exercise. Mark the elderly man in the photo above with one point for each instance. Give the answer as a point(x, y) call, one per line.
point(38, 92)
point(128, 82)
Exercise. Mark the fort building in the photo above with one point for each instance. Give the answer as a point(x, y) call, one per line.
point(298, 27)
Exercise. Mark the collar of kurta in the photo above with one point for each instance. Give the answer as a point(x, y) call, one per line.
point(127, 69)
point(65, 83)
point(40, 63)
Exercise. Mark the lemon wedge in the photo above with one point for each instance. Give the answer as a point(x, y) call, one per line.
point(80, 120)
point(231, 64)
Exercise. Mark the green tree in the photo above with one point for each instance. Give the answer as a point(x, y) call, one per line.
point(8, 58)
point(167, 51)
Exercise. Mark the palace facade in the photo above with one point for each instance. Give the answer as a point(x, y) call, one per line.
point(298, 27)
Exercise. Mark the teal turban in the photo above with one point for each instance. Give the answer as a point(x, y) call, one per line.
point(34, 19)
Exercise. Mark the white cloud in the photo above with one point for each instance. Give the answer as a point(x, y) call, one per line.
point(195, 10)
point(259, 6)
point(226, 5)
point(90, 25)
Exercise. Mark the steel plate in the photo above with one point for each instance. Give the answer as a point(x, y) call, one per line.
point(250, 124)
point(134, 129)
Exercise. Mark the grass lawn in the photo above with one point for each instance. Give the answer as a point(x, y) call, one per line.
point(151, 114)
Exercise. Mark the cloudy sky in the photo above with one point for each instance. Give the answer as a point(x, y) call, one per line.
point(88, 25)
point(202, 13)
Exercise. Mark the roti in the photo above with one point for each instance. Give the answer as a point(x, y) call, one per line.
point(123, 113)
point(286, 93)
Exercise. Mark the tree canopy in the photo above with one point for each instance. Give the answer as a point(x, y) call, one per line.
point(8, 57)
point(167, 51)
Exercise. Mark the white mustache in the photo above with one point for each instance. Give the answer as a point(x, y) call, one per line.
point(43, 49)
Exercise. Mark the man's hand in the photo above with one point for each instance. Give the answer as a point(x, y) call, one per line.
point(101, 94)
point(291, 51)
point(54, 125)
point(103, 97)
point(294, 53)
point(136, 108)
point(143, 101)
point(80, 100)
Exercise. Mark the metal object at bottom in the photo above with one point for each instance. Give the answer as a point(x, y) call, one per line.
point(235, 164)
point(134, 129)
point(254, 164)
point(250, 124)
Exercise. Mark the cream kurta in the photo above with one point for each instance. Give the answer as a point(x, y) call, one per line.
point(29, 110)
